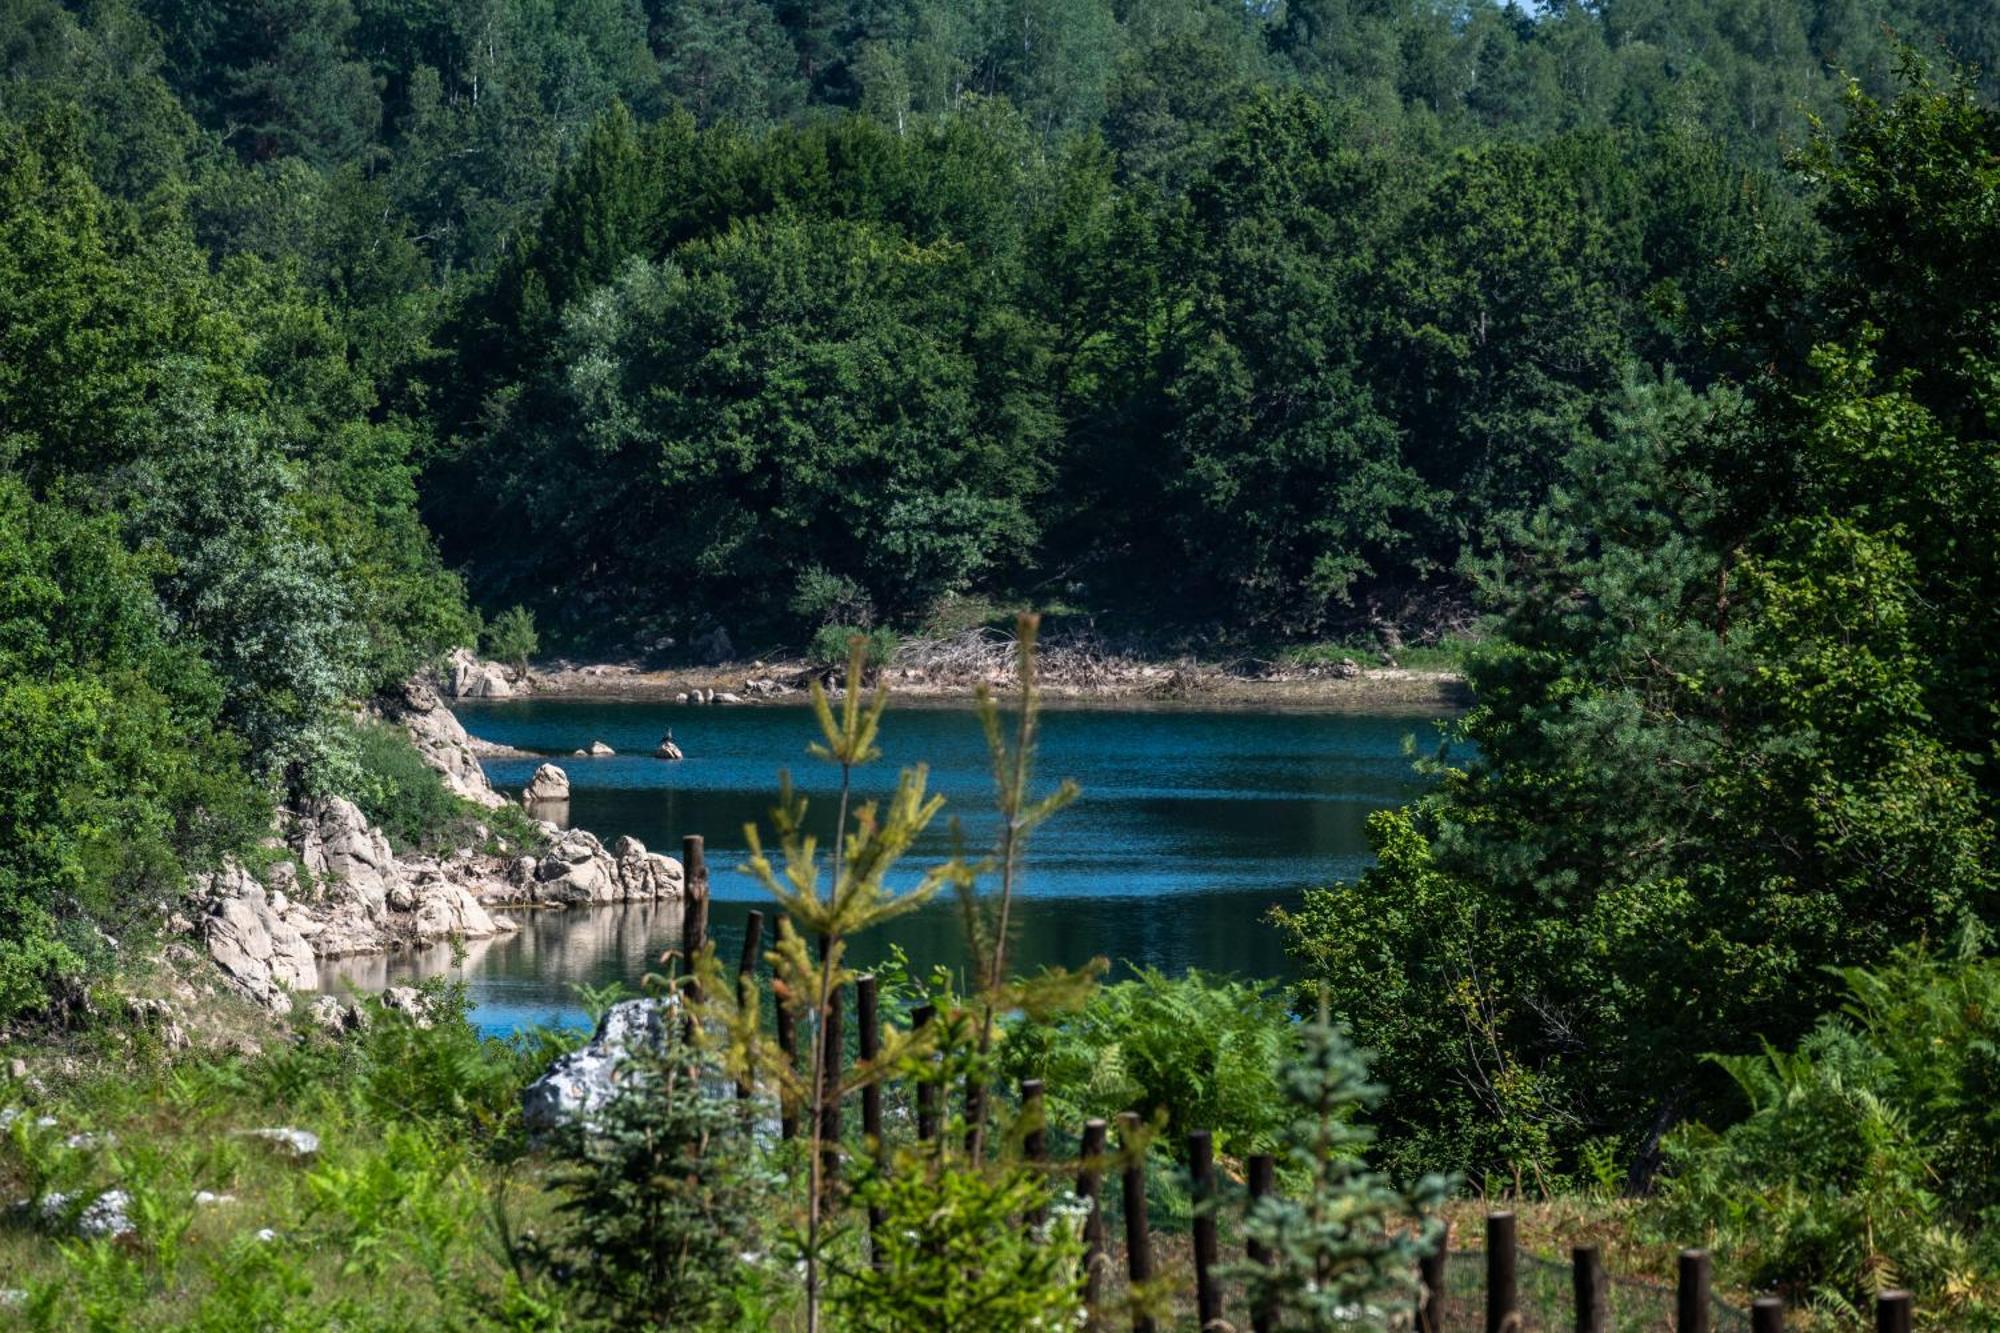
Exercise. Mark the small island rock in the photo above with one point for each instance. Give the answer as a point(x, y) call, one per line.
point(549, 784)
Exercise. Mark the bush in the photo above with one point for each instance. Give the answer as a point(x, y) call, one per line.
point(1868, 1158)
point(950, 1252)
point(829, 647)
point(398, 791)
point(661, 1193)
point(832, 599)
point(510, 637)
point(1344, 1244)
point(1201, 1050)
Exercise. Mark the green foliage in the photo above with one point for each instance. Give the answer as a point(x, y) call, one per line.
point(510, 636)
point(397, 791)
point(1343, 1247)
point(1731, 726)
point(1196, 1052)
point(660, 1194)
point(1866, 1159)
point(119, 776)
point(830, 599)
point(830, 646)
point(952, 1253)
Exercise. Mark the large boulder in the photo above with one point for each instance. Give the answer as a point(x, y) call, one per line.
point(467, 677)
point(645, 876)
point(580, 1083)
point(261, 953)
point(442, 742)
point(549, 786)
point(576, 870)
point(335, 842)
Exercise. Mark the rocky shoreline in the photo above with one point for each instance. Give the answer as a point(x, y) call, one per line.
point(332, 886)
point(1341, 686)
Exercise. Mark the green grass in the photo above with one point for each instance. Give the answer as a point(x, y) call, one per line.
point(389, 1225)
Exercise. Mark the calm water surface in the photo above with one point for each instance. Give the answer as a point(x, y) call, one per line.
point(1191, 827)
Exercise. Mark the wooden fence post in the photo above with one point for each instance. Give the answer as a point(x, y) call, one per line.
point(833, 1054)
point(1263, 1179)
point(1767, 1315)
point(870, 1035)
point(1430, 1271)
point(1207, 1289)
point(788, 1043)
point(1035, 1142)
point(694, 905)
point(1587, 1276)
point(746, 971)
point(1691, 1293)
point(1089, 1189)
point(975, 1115)
point(1501, 1316)
point(1894, 1311)
point(1138, 1234)
point(927, 1089)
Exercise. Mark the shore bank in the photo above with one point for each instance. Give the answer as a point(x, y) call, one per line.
point(1134, 685)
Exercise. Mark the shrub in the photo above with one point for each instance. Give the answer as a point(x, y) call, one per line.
point(510, 637)
point(1867, 1159)
point(399, 793)
point(829, 646)
point(661, 1194)
point(1202, 1050)
point(950, 1253)
point(1342, 1244)
point(832, 599)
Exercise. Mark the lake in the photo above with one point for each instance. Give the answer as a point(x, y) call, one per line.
point(1192, 825)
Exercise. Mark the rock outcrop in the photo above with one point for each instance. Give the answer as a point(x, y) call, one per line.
point(441, 740)
point(549, 786)
point(335, 842)
point(645, 875)
point(259, 951)
point(467, 677)
point(579, 1083)
point(577, 871)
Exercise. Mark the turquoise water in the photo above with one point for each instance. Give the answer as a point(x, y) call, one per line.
point(1192, 825)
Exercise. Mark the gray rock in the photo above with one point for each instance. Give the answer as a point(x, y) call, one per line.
point(260, 953)
point(599, 750)
point(105, 1217)
point(449, 911)
point(579, 1083)
point(336, 843)
point(549, 785)
point(293, 1142)
point(333, 1015)
point(467, 677)
point(441, 741)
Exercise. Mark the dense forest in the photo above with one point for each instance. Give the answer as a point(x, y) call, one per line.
point(1660, 336)
point(746, 314)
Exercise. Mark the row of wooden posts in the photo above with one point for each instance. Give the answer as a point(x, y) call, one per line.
point(1693, 1303)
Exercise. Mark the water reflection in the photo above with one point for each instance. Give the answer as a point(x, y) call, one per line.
point(1191, 827)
